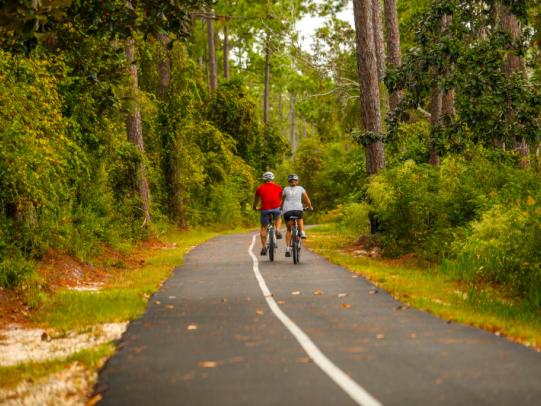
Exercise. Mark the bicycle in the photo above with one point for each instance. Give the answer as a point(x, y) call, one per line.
point(296, 240)
point(271, 237)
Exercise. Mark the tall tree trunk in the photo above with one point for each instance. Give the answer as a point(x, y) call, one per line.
point(369, 84)
point(164, 66)
point(442, 102)
point(213, 70)
point(448, 96)
point(226, 53)
point(392, 32)
point(435, 119)
point(135, 131)
point(172, 159)
point(267, 82)
point(281, 112)
point(378, 37)
point(292, 123)
point(514, 63)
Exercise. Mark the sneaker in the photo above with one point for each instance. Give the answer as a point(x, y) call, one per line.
point(288, 253)
point(278, 235)
point(263, 251)
point(303, 234)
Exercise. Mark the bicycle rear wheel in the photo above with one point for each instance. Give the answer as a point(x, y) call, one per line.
point(272, 244)
point(295, 246)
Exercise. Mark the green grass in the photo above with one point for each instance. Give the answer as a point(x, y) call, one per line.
point(91, 358)
point(127, 294)
point(124, 299)
point(435, 290)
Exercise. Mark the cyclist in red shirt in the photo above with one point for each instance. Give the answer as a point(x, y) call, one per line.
point(270, 196)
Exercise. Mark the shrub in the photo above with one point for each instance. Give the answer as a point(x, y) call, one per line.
point(354, 219)
point(505, 247)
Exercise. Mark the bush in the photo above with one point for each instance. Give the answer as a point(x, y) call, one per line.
point(13, 271)
point(504, 247)
point(354, 219)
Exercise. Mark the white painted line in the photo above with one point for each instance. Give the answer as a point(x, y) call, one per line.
point(348, 385)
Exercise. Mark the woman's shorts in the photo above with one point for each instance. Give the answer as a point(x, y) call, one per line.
point(265, 217)
point(293, 213)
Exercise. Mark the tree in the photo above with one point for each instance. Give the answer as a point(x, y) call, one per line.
point(369, 85)
point(213, 69)
point(513, 65)
point(392, 33)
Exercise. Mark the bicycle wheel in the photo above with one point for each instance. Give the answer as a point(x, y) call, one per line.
point(272, 243)
point(295, 245)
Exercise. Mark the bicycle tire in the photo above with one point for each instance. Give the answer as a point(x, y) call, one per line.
point(295, 245)
point(272, 244)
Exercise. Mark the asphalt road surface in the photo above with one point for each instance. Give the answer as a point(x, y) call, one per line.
point(232, 328)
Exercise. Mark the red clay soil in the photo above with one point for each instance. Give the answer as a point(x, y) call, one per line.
point(12, 309)
point(58, 270)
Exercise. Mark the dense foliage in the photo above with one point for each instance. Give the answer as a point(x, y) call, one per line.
point(69, 174)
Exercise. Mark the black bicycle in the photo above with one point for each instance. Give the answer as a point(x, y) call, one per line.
point(296, 239)
point(271, 237)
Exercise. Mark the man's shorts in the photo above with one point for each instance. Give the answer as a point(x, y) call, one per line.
point(265, 218)
point(294, 213)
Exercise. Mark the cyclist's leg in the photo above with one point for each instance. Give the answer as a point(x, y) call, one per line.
point(278, 222)
point(263, 234)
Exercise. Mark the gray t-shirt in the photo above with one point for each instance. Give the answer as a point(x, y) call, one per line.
point(292, 198)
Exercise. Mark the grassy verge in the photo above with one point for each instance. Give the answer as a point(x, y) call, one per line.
point(124, 298)
point(92, 358)
point(127, 291)
point(434, 290)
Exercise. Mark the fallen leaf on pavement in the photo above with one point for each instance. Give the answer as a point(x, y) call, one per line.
point(208, 364)
point(345, 305)
point(303, 360)
point(296, 292)
point(281, 302)
point(94, 400)
point(413, 336)
point(318, 292)
point(192, 327)
point(342, 294)
point(354, 276)
point(259, 312)
point(373, 291)
point(157, 302)
point(169, 306)
point(380, 336)
point(172, 297)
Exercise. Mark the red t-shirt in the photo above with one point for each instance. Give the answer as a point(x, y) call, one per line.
point(270, 195)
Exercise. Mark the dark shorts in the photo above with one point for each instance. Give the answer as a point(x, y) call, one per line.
point(265, 218)
point(294, 213)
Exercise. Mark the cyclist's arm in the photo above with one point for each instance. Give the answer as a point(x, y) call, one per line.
point(256, 200)
point(307, 200)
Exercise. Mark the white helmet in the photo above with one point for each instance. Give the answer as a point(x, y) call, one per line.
point(268, 176)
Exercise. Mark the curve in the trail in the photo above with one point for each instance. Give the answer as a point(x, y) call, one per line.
point(348, 385)
point(208, 338)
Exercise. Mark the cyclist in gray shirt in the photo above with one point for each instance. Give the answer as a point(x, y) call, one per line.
point(292, 198)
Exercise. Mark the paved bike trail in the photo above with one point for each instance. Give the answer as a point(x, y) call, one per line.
point(209, 338)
